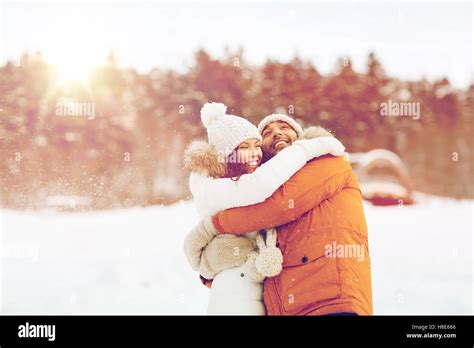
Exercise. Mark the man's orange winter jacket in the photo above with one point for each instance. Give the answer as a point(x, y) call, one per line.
point(322, 234)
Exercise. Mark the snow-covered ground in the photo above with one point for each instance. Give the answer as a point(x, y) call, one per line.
point(131, 261)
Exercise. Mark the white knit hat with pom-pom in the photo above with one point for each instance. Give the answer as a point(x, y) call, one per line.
point(225, 132)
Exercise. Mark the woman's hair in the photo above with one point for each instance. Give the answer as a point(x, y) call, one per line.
point(234, 170)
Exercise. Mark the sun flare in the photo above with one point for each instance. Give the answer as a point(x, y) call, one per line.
point(75, 51)
point(74, 66)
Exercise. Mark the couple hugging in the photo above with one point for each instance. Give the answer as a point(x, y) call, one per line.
point(272, 199)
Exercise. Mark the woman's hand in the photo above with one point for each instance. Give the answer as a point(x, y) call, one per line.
point(321, 146)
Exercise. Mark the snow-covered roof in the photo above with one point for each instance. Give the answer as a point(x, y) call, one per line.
point(377, 154)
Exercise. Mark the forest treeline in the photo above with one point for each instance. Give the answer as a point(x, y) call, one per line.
point(118, 140)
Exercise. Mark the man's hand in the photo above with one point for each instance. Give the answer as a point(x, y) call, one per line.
point(196, 240)
point(223, 252)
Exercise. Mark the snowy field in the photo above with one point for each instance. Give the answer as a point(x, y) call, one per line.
point(131, 261)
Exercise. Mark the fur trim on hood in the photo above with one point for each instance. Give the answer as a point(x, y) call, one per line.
point(315, 132)
point(201, 157)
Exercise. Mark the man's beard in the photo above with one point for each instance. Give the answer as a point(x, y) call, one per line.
point(267, 156)
point(270, 153)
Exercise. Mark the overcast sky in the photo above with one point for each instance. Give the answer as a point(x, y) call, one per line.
point(431, 39)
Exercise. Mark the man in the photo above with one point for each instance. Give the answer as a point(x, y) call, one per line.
point(322, 233)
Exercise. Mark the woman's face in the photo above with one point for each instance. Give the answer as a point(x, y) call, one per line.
point(249, 154)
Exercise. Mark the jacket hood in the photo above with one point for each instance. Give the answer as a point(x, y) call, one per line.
point(201, 157)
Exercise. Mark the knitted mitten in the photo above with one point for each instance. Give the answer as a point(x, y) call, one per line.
point(223, 252)
point(250, 270)
point(269, 260)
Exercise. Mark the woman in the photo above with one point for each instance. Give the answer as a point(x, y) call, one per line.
point(226, 173)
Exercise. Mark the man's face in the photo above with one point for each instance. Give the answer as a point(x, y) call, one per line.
point(276, 136)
